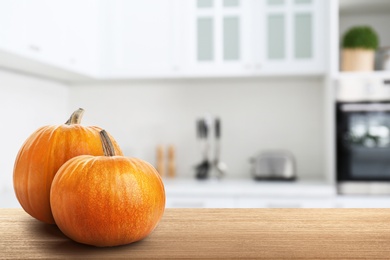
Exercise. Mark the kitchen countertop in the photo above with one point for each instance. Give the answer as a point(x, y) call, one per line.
point(225, 188)
point(248, 187)
point(218, 233)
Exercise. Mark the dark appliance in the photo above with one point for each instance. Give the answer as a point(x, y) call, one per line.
point(363, 147)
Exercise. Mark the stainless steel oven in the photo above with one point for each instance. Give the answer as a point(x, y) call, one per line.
point(363, 147)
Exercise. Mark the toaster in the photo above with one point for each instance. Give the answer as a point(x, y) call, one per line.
point(273, 165)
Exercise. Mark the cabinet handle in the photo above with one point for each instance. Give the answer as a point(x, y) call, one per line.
point(284, 205)
point(175, 68)
point(34, 48)
point(184, 204)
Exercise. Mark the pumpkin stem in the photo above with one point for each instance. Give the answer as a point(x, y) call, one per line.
point(75, 118)
point(108, 148)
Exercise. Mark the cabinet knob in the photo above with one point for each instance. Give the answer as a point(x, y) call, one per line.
point(34, 48)
point(258, 66)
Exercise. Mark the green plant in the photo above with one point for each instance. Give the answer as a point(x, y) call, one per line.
point(361, 37)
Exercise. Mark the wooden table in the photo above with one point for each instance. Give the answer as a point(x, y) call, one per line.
point(218, 233)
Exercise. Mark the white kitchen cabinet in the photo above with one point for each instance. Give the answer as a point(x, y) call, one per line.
point(284, 202)
point(81, 29)
point(255, 37)
point(201, 38)
point(12, 31)
point(356, 201)
point(117, 39)
point(201, 202)
point(289, 36)
point(246, 202)
point(247, 194)
point(217, 38)
point(141, 38)
point(27, 29)
point(61, 34)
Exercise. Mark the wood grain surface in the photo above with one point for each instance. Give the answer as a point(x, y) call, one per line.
point(218, 233)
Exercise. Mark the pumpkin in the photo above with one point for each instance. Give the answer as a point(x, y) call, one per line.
point(107, 200)
point(43, 153)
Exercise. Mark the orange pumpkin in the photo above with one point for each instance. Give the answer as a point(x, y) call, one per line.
point(43, 153)
point(107, 200)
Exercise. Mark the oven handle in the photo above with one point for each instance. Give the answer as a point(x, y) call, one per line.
point(365, 107)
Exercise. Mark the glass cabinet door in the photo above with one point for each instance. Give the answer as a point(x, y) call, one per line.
point(205, 38)
point(256, 36)
point(292, 32)
point(303, 36)
point(276, 36)
point(289, 22)
point(219, 29)
point(231, 38)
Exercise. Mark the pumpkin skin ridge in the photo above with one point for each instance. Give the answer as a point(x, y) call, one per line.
point(64, 178)
point(158, 180)
point(116, 211)
point(28, 205)
point(42, 154)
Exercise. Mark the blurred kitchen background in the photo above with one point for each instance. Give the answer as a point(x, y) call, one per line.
point(238, 103)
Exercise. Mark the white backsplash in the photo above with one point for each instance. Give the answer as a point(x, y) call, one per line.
point(256, 114)
point(27, 103)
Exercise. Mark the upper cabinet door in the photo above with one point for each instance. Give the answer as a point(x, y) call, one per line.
point(291, 33)
point(217, 40)
point(60, 34)
point(13, 32)
point(141, 38)
point(27, 28)
point(82, 35)
point(171, 38)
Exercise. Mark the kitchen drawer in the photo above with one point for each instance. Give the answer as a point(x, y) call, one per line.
point(345, 201)
point(200, 202)
point(284, 203)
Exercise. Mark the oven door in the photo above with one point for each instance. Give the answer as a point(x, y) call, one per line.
point(363, 144)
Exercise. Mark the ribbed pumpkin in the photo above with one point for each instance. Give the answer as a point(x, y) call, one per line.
point(43, 153)
point(107, 200)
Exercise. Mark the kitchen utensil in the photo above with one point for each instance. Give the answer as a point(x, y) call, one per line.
point(202, 169)
point(274, 165)
point(220, 166)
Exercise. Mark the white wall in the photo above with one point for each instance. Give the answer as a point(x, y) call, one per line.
point(379, 22)
point(26, 104)
point(256, 114)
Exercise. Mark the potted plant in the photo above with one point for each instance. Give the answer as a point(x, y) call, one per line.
point(359, 45)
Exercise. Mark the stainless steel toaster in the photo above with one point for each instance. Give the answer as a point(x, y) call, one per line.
point(273, 165)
